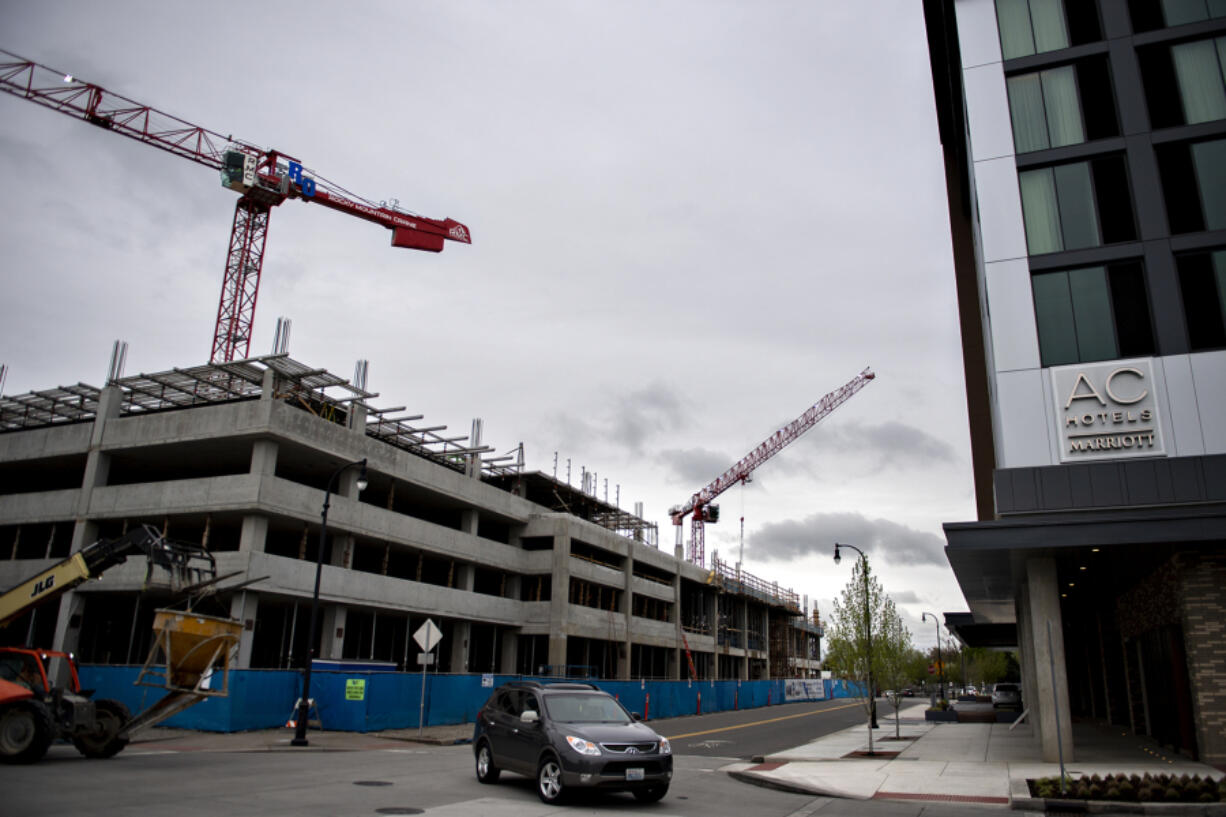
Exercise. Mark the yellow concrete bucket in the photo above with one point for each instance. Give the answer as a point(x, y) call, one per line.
point(194, 646)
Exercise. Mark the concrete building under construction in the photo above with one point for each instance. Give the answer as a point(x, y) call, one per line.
point(522, 572)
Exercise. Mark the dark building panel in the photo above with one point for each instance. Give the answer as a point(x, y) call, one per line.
point(1107, 487)
point(1141, 482)
point(1079, 479)
point(1186, 480)
point(1056, 489)
point(1215, 478)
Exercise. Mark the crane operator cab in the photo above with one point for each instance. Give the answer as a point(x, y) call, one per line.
point(238, 171)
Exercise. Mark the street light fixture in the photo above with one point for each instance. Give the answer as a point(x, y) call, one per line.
point(868, 635)
point(940, 659)
point(304, 703)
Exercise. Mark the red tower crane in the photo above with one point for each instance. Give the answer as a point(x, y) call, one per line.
point(263, 178)
point(700, 505)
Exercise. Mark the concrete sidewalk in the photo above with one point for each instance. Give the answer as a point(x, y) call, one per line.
point(162, 739)
point(982, 763)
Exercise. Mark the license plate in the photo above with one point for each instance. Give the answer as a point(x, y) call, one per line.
point(634, 774)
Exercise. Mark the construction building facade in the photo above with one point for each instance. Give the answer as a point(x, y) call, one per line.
point(523, 573)
point(1085, 155)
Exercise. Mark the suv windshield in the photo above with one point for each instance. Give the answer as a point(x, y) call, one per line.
point(585, 709)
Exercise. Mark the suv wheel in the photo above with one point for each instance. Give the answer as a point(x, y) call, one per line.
point(549, 781)
point(487, 772)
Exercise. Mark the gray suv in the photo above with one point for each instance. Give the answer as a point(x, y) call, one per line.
point(568, 736)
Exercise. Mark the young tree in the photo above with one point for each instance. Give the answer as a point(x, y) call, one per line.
point(894, 655)
point(860, 619)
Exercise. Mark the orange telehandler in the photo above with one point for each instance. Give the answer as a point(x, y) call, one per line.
point(34, 711)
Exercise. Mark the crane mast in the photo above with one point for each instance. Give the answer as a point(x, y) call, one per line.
point(263, 178)
point(700, 504)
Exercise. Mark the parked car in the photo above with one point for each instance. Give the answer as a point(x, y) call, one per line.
point(1006, 695)
point(569, 735)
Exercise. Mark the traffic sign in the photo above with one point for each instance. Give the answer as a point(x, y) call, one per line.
point(428, 635)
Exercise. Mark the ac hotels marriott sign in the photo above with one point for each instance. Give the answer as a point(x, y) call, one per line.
point(1107, 410)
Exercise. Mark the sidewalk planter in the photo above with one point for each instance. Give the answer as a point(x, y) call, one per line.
point(941, 715)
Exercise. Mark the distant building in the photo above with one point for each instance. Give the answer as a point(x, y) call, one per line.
point(1085, 154)
point(523, 573)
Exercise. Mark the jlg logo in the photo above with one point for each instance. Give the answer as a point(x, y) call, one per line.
point(43, 586)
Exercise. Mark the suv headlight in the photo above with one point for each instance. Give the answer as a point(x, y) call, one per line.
point(582, 746)
point(666, 748)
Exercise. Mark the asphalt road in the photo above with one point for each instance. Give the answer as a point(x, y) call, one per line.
point(750, 733)
point(394, 777)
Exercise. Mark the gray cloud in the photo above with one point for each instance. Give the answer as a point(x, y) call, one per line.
point(891, 443)
point(644, 412)
point(695, 466)
point(878, 538)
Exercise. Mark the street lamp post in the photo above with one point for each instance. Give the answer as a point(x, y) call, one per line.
point(868, 637)
point(304, 703)
point(940, 659)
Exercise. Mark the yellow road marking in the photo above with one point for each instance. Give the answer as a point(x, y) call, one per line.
point(768, 720)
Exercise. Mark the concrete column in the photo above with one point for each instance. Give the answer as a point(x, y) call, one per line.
point(332, 630)
point(254, 533)
point(97, 465)
point(357, 418)
point(264, 458)
point(1043, 595)
point(342, 543)
point(510, 651)
point(1025, 636)
point(244, 607)
point(461, 631)
point(68, 623)
point(679, 658)
point(559, 606)
point(626, 611)
point(263, 464)
point(84, 529)
point(742, 621)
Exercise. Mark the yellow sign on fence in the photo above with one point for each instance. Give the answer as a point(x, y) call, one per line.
point(355, 689)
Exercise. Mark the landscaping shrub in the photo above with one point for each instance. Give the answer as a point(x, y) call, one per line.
point(1163, 788)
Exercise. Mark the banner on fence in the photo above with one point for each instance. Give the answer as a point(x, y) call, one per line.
point(803, 689)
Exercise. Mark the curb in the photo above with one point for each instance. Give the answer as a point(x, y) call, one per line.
point(792, 788)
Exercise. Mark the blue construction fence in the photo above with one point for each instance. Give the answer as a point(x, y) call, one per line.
point(371, 701)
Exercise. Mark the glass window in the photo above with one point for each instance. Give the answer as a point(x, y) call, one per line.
point(1046, 109)
point(1040, 211)
point(1093, 313)
point(1039, 26)
point(1178, 12)
point(1148, 15)
point(1202, 280)
point(1202, 80)
point(1209, 165)
point(1078, 215)
point(1194, 185)
point(1031, 27)
point(1074, 206)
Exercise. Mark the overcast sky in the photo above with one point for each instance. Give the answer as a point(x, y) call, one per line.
point(690, 221)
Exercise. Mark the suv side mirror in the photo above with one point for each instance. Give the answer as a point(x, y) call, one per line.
point(530, 716)
point(636, 716)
